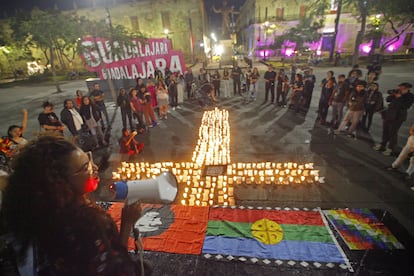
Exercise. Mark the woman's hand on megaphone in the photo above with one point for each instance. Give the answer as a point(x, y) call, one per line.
point(131, 212)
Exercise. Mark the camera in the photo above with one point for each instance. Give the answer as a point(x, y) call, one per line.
point(393, 91)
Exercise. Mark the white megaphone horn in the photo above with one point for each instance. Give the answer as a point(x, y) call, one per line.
point(162, 189)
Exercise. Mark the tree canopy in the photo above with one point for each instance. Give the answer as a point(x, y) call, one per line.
point(57, 34)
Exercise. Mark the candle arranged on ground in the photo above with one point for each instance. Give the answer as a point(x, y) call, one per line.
point(210, 178)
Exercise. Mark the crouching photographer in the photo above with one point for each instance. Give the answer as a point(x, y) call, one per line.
point(399, 101)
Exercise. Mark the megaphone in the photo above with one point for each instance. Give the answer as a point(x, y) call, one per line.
point(162, 189)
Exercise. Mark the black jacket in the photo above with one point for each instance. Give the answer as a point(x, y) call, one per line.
point(397, 107)
point(67, 119)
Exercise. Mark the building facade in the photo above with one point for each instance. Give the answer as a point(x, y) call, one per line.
point(181, 21)
point(262, 21)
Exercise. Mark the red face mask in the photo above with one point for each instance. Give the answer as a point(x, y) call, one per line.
point(90, 184)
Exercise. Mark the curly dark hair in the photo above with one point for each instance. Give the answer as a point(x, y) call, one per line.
point(38, 187)
point(72, 236)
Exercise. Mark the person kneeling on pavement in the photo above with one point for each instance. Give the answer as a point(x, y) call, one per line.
point(128, 145)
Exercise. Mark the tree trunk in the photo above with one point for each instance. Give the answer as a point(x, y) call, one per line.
point(338, 16)
point(58, 89)
point(361, 32)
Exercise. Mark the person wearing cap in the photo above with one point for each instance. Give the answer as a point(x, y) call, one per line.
point(356, 107)
point(399, 101)
point(374, 103)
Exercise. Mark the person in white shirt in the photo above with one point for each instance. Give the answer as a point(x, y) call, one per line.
point(404, 154)
point(71, 118)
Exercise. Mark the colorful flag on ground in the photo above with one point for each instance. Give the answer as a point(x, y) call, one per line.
point(169, 228)
point(275, 234)
point(360, 229)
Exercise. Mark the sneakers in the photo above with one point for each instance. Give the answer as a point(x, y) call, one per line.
point(406, 176)
point(378, 147)
point(412, 188)
point(351, 135)
point(387, 152)
point(338, 132)
point(391, 169)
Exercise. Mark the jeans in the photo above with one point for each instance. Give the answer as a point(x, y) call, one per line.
point(337, 113)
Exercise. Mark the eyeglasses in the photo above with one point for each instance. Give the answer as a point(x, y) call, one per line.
point(89, 167)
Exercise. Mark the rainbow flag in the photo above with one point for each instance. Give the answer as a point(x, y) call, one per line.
point(360, 229)
point(272, 234)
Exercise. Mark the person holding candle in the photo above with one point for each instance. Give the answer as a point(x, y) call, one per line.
point(129, 145)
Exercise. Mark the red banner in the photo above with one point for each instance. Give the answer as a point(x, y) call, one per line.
point(138, 58)
point(168, 228)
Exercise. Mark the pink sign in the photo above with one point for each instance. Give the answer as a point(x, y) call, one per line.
point(139, 58)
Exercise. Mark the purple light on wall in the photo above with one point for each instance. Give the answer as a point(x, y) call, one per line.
point(314, 46)
point(264, 53)
point(343, 37)
point(365, 47)
point(394, 46)
point(391, 48)
point(289, 44)
point(289, 52)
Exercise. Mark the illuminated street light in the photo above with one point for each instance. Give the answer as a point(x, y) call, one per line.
point(167, 33)
point(213, 36)
point(219, 49)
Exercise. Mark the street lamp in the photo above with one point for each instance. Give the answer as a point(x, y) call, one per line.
point(213, 36)
point(166, 32)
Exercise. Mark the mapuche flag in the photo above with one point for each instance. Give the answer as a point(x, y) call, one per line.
point(168, 228)
point(271, 234)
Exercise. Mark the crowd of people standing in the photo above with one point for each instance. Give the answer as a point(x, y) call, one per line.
point(46, 204)
point(347, 102)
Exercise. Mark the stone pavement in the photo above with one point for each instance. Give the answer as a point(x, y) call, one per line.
point(354, 174)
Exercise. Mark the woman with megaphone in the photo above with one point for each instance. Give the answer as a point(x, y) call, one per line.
point(55, 228)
